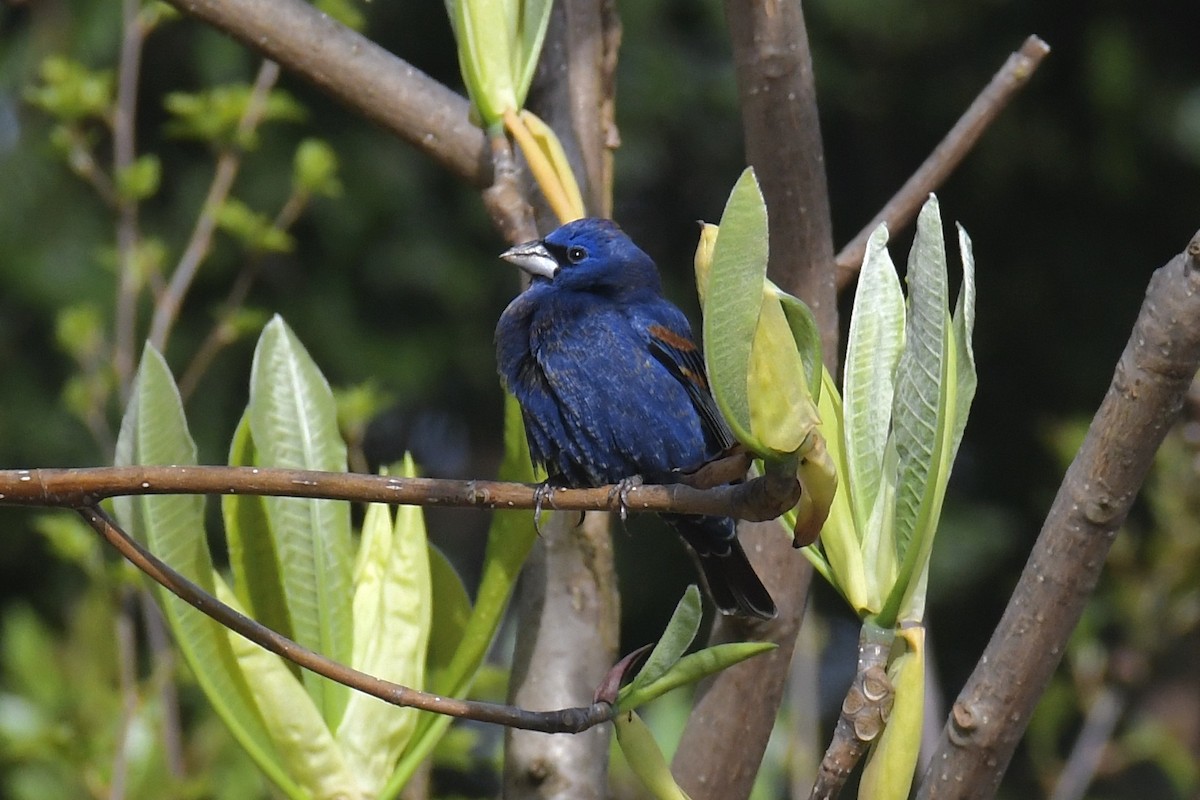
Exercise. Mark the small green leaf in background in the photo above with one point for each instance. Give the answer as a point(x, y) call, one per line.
point(71, 92)
point(213, 115)
point(315, 169)
point(255, 231)
point(140, 179)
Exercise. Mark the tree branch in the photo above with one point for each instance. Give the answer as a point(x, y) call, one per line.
point(1147, 392)
point(354, 70)
point(568, 720)
point(758, 499)
point(726, 735)
point(903, 207)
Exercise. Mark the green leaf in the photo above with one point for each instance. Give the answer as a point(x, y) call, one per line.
point(255, 231)
point(510, 538)
point(807, 336)
point(533, 19)
point(315, 169)
point(253, 552)
point(679, 634)
point(154, 431)
point(214, 115)
point(919, 412)
point(451, 610)
point(392, 617)
point(873, 350)
point(645, 758)
point(71, 92)
point(733, 302)
point(964, 329)
point(293, 422)
point(485, 57)
point(305, 744)
point(691, 668)
point(140, 179)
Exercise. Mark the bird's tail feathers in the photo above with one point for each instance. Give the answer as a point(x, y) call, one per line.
point(731, 580)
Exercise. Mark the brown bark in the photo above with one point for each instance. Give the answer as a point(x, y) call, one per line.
point(727, 733)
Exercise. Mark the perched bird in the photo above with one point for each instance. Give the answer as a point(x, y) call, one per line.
point(612, 386)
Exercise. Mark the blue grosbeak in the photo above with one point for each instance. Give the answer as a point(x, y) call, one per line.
point(611, 385)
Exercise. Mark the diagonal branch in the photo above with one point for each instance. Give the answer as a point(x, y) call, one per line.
point(568, 720)
point(945, 158)
point(1147, 392)
point(359, 73)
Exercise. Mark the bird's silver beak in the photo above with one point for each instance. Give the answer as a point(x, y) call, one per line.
point(533, 257)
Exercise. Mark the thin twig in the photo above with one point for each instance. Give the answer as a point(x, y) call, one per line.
point(167, 305)
point(1087, 754)
point(758, 499)
point(568, 720)
point(902, 208)
point(124, 153)
point(1143, 401)
point(127, 681)
point(221, 335)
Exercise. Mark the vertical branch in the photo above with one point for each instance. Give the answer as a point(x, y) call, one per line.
point(727, 733)
point(568, 615)
point(567, 601)
point(1144, 399)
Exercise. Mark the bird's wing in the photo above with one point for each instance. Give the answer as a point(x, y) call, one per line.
point(670, 342)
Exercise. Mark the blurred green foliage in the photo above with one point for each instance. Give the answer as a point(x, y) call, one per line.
point(1088, 181)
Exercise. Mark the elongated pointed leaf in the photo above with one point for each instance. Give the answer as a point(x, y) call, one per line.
point(293, 422)
point(919, 411)
point(733, 302)
point(677, 637)
point(392, 616)
point(839, 541)
point(307, 747)
point(154, 431)
point(645, 758)
point(782, 411)
point(451, 610)
point(252, 554)
point(806, 335)
point(873, 350)
point(691, 668)
point(964, 329)
point(534, 18)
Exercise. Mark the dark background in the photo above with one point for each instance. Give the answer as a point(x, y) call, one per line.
point(1088, 182)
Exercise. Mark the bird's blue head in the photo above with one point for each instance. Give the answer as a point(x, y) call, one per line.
point(592, 255)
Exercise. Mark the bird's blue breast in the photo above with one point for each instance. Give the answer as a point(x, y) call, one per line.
point(598, 406)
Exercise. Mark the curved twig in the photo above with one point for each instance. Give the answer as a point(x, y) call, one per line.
point(567, 720)
point(902, 208)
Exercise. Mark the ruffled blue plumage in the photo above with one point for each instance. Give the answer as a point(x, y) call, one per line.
point(611, 385)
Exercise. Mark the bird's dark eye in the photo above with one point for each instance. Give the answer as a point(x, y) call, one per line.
point(575, 254)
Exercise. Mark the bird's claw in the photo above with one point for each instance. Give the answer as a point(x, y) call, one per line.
point(620, 493)
point(543, 494)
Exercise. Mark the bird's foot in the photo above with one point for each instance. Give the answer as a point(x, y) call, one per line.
point(620, 494)
point(543, 494)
